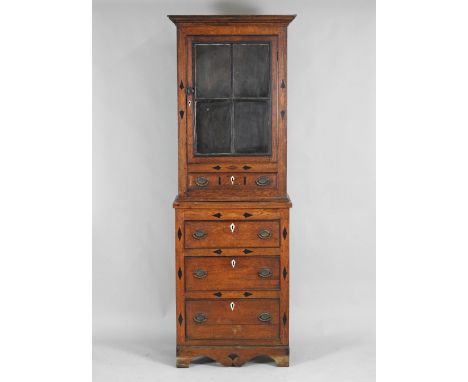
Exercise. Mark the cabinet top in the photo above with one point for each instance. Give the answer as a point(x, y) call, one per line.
point(232, 19)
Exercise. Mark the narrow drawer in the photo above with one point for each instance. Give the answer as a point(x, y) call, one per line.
point(231, 273)
point(232, 319)
point(210, 234)
point(231, 181)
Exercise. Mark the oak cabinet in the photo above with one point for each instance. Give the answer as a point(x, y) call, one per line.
point(232, 207)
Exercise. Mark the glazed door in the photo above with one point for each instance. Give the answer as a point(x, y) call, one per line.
point(231, 99)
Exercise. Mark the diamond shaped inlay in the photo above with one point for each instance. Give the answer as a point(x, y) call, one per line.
point(285, 273)
point(218, 294)
point(285, 233)
point(282, 114)
point(283, 85)
point(181, 86)
point(233, 356)
point(217, 167)
point(179, 233)
point(247, 294)
point(181, 114)
point(218, 215)
point(180, 319)
point(246, 167)
point(284, 319)
point(246, 251)
point(179, 273)
point(247, 215)
point(218, 252)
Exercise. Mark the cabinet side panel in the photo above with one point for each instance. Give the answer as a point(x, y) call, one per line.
point(282, 111)
point(182, 114)
point(284, 277)
point(180, 275)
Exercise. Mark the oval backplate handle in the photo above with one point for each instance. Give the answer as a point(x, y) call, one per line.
point(200, 273)
point(264, 234)
point(264, 317)
point(262, 181)
point(199, 234)
point(265, 272)
point(200, 317)
point(201, 181)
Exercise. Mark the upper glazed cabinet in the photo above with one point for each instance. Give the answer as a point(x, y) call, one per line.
point(232, 106)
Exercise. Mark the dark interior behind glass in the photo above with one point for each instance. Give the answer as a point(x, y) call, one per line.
point(232, 99)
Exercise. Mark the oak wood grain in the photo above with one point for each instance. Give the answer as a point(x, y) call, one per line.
point(232, 336)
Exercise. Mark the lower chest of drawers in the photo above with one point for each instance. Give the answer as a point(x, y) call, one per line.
point(232, 277)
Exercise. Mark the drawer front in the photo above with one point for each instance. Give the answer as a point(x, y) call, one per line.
point(231, 181)
point(231, 273)
point(232, 319)
point(210, 234)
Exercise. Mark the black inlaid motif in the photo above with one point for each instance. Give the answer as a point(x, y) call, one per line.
point(179, 273)
point(218, 215)
point(247, 215)
point(217, 167)
point(181, 114)
point(218, 294)
point(285, 233)
point(246, 251)
point(285, 273)
point(247, 294)
point(246, 167)
point(179, 233)
point(282, 114)
point(181, 86)
point(180, 319)
point(218, 252)
point(283, 85)
point(284, 319)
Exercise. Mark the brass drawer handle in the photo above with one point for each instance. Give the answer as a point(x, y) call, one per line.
point(200, 317)
point(264, 234)
point(199, 234)
point(201, 181)
point(262, 181)
point(264, 317)
point(265, 272)
point(200, 273)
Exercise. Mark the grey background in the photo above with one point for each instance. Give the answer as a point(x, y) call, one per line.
point(331, 181)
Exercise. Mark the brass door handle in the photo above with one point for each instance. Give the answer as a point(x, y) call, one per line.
point(265, 272)
point(264, 317)
point(200, 273)
point(199, 234)
point(200, 317)
point(201, 181)
point(264, 234)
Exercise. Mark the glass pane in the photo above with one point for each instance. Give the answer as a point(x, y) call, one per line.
point(213, 127)
point(213, 71)
point(251, 63)
point(252, 127)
